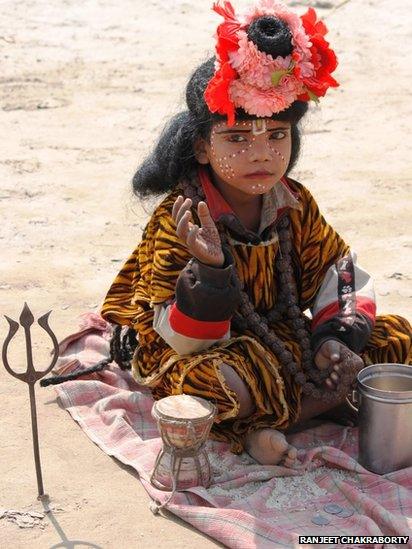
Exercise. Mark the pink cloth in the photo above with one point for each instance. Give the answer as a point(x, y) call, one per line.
point(243, 507)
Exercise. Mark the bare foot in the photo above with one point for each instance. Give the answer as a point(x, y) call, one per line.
point(344, 363)
point(270, 447)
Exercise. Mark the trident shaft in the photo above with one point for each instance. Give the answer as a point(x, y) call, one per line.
point(31, 375)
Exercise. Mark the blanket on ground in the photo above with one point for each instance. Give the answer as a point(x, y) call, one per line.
point(248, 505)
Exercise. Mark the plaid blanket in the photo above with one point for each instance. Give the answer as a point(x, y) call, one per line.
point(248, 505)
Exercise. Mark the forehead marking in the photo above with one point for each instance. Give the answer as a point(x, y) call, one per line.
point(258, 126)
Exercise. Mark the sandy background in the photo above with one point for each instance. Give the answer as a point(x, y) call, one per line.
point(85, 87)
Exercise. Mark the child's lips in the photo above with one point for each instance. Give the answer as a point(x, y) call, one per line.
point(259, 175)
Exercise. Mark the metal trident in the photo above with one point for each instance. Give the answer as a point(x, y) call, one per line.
point(31, 375)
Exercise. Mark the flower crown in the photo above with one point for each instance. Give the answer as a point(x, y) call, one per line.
point(253, 80)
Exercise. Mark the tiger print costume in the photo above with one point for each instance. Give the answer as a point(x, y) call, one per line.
point(148, 280)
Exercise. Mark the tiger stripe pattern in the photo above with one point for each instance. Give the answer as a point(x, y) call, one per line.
point(149, 277)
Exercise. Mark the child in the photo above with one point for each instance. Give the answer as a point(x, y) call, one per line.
point(237, 251)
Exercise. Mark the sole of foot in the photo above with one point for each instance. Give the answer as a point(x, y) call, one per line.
point(270, 447)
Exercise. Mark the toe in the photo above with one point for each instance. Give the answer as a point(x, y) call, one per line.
point(335, 378)
point(290, 460)
point(292, 452)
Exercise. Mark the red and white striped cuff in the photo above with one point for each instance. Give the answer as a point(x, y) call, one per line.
point(197, 329)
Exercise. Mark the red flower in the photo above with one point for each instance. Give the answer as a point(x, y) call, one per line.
point(217, 92)
point(296, 57)
point(226, 32)
point(323, 58)
point(312, 26)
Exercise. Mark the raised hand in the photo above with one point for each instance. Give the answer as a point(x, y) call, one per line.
point(202, 242)
point(345, 363)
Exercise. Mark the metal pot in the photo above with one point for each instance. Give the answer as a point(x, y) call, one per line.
point(384, 399)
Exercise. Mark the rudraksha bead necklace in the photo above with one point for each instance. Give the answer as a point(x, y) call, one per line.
point(309, 377)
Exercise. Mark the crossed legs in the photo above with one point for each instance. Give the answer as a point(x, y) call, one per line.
point(269, 446)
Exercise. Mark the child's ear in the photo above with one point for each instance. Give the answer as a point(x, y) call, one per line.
point(201, 151)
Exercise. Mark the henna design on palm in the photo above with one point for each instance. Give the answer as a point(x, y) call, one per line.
point(202, 242)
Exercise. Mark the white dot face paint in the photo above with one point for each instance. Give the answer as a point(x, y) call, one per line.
point(251, 156)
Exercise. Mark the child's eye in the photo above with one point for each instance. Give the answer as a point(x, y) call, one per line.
point(278, 134)
point(236, 138)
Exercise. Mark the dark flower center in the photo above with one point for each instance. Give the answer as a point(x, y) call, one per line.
point(271, 35)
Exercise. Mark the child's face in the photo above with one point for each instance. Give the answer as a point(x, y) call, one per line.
point(250, 156)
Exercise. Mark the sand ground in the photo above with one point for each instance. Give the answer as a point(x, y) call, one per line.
point(85, 87)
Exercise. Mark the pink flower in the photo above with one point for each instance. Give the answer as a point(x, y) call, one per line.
point(265, 102)
point(255, 67)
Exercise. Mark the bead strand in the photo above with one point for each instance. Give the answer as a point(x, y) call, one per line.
point(309, 378)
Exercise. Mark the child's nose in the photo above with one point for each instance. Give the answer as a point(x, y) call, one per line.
point(260, 150)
